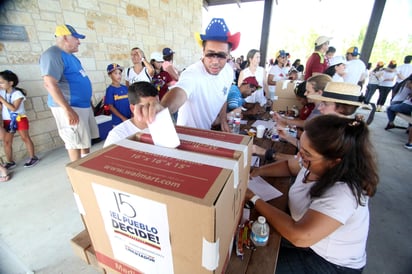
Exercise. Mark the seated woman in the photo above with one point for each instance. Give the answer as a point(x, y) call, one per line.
point(328, 225)
point(340, 99)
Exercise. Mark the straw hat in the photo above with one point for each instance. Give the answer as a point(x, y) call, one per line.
point(341, 92)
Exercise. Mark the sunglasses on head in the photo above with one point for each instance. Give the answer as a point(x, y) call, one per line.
point(219, 55)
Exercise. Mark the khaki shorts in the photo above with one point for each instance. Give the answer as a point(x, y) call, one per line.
point(77, 136)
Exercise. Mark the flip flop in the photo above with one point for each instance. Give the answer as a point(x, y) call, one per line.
point(4, 178)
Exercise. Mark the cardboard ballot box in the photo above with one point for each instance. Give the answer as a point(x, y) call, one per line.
point(285, 94)
point(157, 210)
point(215, 143)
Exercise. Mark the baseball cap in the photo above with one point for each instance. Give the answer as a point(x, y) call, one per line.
point(167, 51)
point(62, 30)
point(281, 53)
point(113, 67)
point(157, 56)
point(322, 40)
point(251, 80)
point(354, 51)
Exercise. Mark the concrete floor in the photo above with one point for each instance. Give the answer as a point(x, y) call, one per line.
point(39, 215)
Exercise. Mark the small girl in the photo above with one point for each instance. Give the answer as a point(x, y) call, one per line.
point(14, 118)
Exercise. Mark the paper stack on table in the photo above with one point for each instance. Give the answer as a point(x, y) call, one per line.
point(268, 124)
point(263, 189)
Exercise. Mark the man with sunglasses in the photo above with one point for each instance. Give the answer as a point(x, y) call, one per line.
point(201, 92)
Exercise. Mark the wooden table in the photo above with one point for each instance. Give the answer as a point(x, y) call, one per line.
point(264, 259)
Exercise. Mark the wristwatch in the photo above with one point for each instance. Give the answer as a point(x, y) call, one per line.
point(254, 199)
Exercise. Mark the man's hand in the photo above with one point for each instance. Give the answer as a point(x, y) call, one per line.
point(224, 126)
point(72, 116)
point(147, 112)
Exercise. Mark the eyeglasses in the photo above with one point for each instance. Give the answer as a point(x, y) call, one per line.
point(218, 55)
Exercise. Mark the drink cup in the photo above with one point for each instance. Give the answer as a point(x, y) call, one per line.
point(260, 130)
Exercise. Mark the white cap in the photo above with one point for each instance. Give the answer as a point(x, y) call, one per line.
point(157, 56)
point(321, 40)
point(336, 60)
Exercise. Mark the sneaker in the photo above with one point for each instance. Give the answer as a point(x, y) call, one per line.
point(32, 162)
point(10, 165)
point(408, 146)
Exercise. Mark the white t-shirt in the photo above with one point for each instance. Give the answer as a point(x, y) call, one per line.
point(206, 94)
point(133, 77)
point(120, 132)
point(405, 70)
point(337, 78)
point(387, 78)
point(10, 98)
point(346, 246)
point(279, 74)
point(258, 96)
point(403, 94)
point(355, 71)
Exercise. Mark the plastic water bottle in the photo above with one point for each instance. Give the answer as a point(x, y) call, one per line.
point(230, 120)
point(236, 123)
point(275, 134)
point(260, 232)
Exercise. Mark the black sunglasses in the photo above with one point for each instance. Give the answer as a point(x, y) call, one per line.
point(219, 55)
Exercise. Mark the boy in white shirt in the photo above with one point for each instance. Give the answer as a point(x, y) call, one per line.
point(139, 93)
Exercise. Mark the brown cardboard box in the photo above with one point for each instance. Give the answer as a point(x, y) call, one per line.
point(215, 143)
point(157, 210)
point(82, 246)
point(91, 256)
point(286, 97)
point(80, 243)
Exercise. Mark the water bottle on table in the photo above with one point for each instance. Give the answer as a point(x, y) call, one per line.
point(260, 232)
point(236, 123)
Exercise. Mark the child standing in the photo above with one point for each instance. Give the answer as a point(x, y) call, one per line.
point(161, 79)
point(116, 96)
point(14, 118)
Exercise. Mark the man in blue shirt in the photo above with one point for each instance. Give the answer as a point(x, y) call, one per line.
point(235, 98)
point(70, 92)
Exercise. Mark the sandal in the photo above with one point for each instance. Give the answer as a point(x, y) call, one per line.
point(4, 178)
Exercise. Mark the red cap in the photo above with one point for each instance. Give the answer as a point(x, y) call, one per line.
point(252, 81)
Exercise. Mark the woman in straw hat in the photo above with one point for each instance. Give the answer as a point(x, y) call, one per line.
point(336, 174)
point(339, 98)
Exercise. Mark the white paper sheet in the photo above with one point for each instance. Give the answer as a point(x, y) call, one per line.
point(268, 124)
point(163, 130)
point(263, 189)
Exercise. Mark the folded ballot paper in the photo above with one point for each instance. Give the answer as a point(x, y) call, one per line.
point(163, 130)
point(263, 189)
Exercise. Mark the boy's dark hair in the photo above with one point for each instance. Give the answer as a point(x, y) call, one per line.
point(408, 59)
point(331, 50)
point(140, 89)
point(300, 90)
